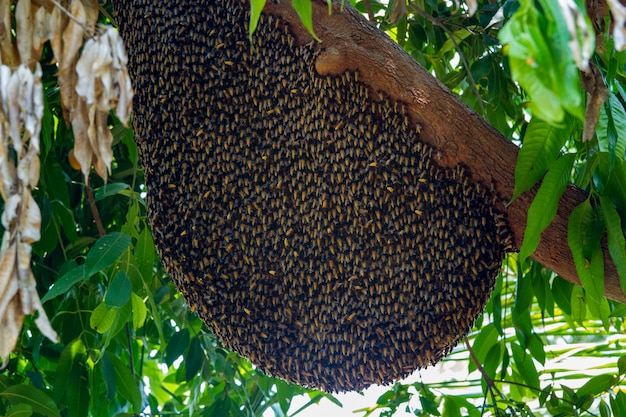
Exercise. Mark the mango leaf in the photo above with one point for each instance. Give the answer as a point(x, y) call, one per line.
point(102, 318)
point(578, 304)
point(119, 290)
point(65, 216)
point(540, 147)
point(590, 269)
point(108, 376)
point(256, 6)
point(111, 189)
point(70, 359)
point(126, 384)
point(597, 385)
point(483, 343)
point(145, 254)
point(194, 359)
point(176, 346)
point(611, 180)
point(525, 366)
point(305, 11)
point(544, 206)
point(105, 252)
point(536, 41)
point(611, 129)
point(36, 399)
point(63, 284)
point(19, 410)
point(616, 240)
point(140, 311)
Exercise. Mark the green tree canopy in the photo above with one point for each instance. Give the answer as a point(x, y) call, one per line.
point(548, 75)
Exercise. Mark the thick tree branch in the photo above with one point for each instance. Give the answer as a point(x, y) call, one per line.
point(349, 42)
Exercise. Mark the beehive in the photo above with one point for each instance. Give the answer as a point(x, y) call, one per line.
point(300, 215)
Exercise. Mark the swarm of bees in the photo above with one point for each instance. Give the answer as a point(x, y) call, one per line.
point(301, 216)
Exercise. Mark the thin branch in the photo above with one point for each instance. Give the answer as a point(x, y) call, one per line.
point(370, 12)
point(443, 27)
point(130, 351)
point(94, 211)
point(479, 366)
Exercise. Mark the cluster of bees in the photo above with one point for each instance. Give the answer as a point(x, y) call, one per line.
point(300, 215)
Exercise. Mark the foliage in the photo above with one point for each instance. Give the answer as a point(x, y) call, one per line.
point(129, 345)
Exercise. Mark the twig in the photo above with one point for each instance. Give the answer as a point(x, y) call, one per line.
point(71, 16)
point(130, 351)
point(370, 12)
point(479, 366)
point(470, 77)
point(94, 211)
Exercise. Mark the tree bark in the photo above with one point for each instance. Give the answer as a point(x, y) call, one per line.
point(350, 42)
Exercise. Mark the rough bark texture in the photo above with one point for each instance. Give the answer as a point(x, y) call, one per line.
point(350, 42)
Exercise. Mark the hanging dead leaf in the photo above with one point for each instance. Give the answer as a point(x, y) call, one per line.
point(24, 29)
point(618, 13)
point(8, 52)
point(72, 41)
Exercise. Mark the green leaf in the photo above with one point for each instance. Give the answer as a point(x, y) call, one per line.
point(102, 318)
point(105, 252)
point(540, 147)
point(611, 129)
point(176, 346)
point(126, 384)
point(484, 342)
point(194, 359)
point(525, 366)
point(36, 399)
point(256, 6)
point(63, 284)
point(66, 370)
point(616, 240)
point(110, 189)
point(65, 217)
point(621, 365)
point(305, 11)
point(19, 410)
point(578, 304)
point(140, 311)
point(541, 60)
point(590, 270)
point(597, 385)
point(145, 254)
point(108, 376)
point(605, 411)
point(544, 206)
point(119, 290)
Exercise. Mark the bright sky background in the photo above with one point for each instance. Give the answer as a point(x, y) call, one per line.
point(354, 400)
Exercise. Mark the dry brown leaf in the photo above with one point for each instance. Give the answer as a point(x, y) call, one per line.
point(58, 21)
point(30, 223)
point(41, 20)
point(72, 41)
point(8, 52)
point(21, 111)
point(24, 28)
point(618, 13)
point(83, 151)
point(103, 84)
point(103, 151)
point(472, 7)
point(11, 324)
point(92, 11)
point(8, 286)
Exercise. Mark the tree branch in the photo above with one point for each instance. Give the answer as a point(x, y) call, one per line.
point(459, 135)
